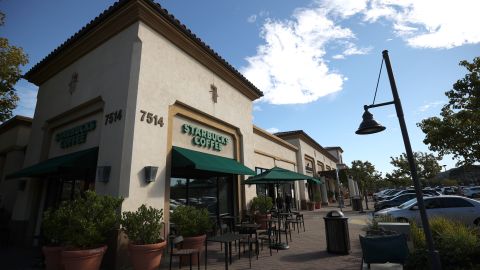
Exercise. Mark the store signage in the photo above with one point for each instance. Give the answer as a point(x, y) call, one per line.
point(75, 135)
point(205, 138)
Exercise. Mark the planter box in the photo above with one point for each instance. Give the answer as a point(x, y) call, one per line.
point(401, 228)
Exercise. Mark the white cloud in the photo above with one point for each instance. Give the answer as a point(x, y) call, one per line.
point(290, 67)
point(28, 100)
point(273, 130)
point(257, 108)
point(353, 50)
point(430, 105)
point(254, 17)
point(429, 23)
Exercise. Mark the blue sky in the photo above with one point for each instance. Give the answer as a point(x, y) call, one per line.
point(316, 61)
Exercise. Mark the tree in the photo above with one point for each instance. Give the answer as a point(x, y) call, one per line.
point(427, 166)
point(365, 173)
point(11, 58)
point(457, 131)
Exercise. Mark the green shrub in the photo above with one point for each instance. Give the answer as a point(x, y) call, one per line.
point(330, 194)
point(190, 221)
point(317, 197)
point(88, 219)
point(53, 227)
point(261, 204)
point(457, 244)
point(143, 226)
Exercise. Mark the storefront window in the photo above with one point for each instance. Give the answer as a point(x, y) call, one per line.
point(261, 189)
point(213, 193)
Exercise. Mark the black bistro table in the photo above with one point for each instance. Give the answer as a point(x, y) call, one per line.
point(227, 240)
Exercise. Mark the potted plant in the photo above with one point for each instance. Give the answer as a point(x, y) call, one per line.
point(311, 206)
point(318, 200)
point(88, 221)
point(192, 223)
point(53, 229)
point(331, 196)
point(260, 208)
point(143, 228)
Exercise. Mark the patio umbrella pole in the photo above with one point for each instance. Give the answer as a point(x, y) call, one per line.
point(279, 245)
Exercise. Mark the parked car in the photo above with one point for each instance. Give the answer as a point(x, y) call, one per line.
point(453, 207)
point(471, 192)
point(395, 201)
point(430, 192)
point(380, 193)
point(386, 194)
point(447, 191)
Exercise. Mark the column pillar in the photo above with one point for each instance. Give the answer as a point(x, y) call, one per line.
point(323, 189)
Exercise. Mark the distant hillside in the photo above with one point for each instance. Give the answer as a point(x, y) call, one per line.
point(464, 175)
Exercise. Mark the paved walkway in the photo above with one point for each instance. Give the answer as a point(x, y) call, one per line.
point(307, 250)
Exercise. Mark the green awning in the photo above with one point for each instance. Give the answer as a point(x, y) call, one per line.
point(279, 175)
point(189, 159)
point(85, 159)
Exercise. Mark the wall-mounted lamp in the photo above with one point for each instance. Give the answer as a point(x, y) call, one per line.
point(103, 174)
point(150, 173)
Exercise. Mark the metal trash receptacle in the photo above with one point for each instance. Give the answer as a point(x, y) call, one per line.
point(357, 204)
point(336, 232)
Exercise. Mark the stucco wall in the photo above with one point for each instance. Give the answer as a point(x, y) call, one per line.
point(169, 75)
point(268, 154)
point(306, 149)
point(105, 72)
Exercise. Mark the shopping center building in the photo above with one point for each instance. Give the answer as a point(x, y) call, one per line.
point(134, 105)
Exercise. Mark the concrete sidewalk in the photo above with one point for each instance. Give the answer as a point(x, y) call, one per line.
point(308, 249)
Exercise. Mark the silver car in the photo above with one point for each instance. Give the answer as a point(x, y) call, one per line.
point(457, 208)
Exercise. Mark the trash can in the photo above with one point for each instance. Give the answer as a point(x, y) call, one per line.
point(357, 204)
point(336, 231)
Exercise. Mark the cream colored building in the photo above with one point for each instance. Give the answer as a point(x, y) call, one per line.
point(312, 160)
point(127, 104)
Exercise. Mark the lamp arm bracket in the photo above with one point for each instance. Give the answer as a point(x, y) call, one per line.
point(378, 105)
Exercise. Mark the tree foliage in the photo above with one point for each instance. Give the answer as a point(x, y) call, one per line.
point(366, 174)
point(427, 166)
point(457, 130)
point(11, 58)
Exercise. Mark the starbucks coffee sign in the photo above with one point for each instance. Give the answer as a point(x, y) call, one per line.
point(205, 138)
point(75, 135)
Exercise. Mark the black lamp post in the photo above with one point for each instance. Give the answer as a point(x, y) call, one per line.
point(370, 126)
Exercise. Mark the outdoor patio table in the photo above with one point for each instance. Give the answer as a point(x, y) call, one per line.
point(230, 220)
point(278, 239)
point(227, 240)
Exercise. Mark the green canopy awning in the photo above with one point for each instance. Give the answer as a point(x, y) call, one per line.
point(85, 159)
point(279, 175)
point(189, 159)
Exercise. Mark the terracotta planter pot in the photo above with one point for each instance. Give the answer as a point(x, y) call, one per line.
point(86, 259)
point(53, 258)
point(318, 205)
point(311, 206)
point(263, 220)
point(146, 257)
point(197, 242)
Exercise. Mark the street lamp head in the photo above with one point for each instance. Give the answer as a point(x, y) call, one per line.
point(369, 125)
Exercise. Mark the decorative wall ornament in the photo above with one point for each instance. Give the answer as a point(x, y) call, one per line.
point(214, 92)
point(72, 85)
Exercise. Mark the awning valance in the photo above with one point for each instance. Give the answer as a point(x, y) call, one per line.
point(85, 159)
point(189, 159)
